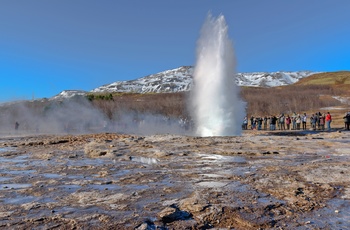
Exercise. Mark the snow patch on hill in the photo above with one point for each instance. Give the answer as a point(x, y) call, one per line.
point(262, 79)
point(180, 79)
point(69, 94)
point(175, 80)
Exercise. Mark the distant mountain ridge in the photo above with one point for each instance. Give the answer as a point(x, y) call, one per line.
point(180, 79)
point(168, 81)
point(69, 94)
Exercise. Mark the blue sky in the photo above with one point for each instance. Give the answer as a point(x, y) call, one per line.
point(50, 46)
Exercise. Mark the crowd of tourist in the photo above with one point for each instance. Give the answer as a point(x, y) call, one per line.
point(316, 121)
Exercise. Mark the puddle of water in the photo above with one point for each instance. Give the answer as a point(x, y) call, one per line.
point(201, 169)
point(42, 163)
point(120, 173)
point(334, 216)
point(212, 184)
point(51, 175)
point(343, 151)
point(74, 177)
point(28, 199)
point(19, 172)
point(14, 186)
point(105, 187)
point(137, 187)
point(240, 171)
point(2, 179)
point(7, 149)
point(20, 200)
point(46, 200)
point(264, 200)
point(220, 158)
point(238, 187)
point(18, 159)
point(87, 161)
point(70, 187)
point(212, 175)
point(340, 141)
point(145, 160)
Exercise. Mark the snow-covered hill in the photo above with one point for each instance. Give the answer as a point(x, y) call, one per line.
point(175, 80)
point(69, 94)
point(261, 79)
point(180, 79)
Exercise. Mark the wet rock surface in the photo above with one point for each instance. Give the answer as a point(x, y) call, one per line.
point(296, 180)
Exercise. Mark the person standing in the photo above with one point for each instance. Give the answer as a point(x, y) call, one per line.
point(288, 121)
point(318, 115)
point(245, 123)
point(252, 122)
point(16, 125)
point(322, 121)
point(294, 121)
point(265, 123)
point(281, 122)
point(313, 122)
point(304, 120)
point(328, 121)
point(273, 122)
point(298, 121)
point(259, 122)
point(347, 121)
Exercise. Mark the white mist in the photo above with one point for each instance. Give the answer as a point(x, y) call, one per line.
point(217, 109)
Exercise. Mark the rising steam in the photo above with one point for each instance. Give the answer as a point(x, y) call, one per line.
point(217, 107)
point(79, 116)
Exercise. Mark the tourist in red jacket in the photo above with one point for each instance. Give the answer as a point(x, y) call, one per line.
point(328, 121)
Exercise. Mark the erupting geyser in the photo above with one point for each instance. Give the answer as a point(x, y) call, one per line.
point(217, 109)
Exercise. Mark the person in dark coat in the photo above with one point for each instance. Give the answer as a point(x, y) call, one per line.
point(347, 121)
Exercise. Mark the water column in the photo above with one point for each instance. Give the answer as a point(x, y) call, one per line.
point(217, 109)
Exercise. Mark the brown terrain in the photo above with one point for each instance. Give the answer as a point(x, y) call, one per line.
point(268, 180)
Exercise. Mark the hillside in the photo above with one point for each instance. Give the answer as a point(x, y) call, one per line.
point(340, 79)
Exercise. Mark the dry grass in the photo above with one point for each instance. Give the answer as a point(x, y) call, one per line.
point(340, 80)
point(167, 104)
point(288, 99)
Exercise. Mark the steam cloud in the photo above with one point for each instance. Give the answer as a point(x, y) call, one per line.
point(217, 109)
point(79, 116)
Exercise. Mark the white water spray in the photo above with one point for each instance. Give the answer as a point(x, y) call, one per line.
point(217, 107)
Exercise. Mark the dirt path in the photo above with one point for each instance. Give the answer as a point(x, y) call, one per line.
point(293, 180)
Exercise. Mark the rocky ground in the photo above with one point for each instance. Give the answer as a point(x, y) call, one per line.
point(260, 180)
